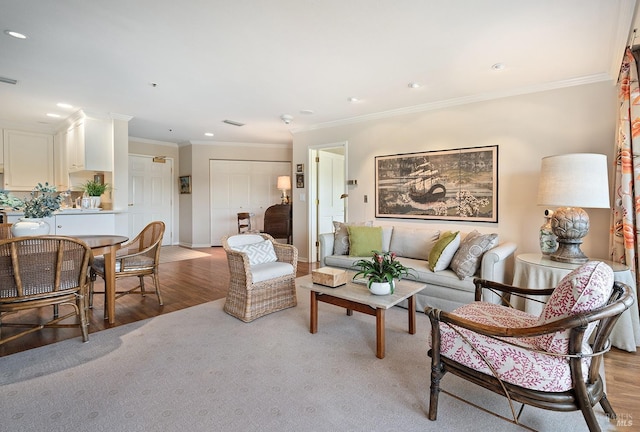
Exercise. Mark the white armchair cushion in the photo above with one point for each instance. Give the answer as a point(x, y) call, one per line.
point(513, 364)
point(258, 253)
point(271, 270)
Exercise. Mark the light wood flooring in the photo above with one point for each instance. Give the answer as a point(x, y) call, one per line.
point(192, 282)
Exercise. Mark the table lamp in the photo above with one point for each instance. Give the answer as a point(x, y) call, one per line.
point(284, 184)
point(573, 181)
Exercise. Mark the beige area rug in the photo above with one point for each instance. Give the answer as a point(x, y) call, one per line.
point(200, 369)
point(179, 253)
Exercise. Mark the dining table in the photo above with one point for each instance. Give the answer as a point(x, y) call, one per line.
point(107, 246)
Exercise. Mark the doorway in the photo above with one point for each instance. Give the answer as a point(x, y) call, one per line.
point(327, 191)
point(150, 192)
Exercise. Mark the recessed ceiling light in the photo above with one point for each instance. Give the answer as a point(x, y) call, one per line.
point(209, 134)
point(306, 111)
point(353, 99)
point(15, 34)
point(498, 66)
point(415, 85)
point(53, 115)
point(64, 105)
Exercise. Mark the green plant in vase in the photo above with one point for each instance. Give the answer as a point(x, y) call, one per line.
point(384, 267)
point(94, 188)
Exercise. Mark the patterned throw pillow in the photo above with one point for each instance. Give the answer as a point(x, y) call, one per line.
point(466, 261)
point(443, 251)
point(259, 253)
point(584, 289)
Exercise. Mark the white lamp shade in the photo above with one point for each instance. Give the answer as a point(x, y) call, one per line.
point(574, 180)
point(284, 182)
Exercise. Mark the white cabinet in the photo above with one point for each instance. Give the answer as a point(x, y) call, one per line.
point(89, 145)
point(77, 224)
point(85, 224)
point(28, 160)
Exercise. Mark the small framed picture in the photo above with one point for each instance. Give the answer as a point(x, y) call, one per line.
point(300, 168)
point(299, 181)
point(185, 184)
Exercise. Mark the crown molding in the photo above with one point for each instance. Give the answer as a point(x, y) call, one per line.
point(483, 97)
point(151, 141)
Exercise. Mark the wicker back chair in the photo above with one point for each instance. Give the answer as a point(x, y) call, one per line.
point(5, 231)
point(42, 271)
point(559, 354)
point(139, 257)
point(263, 274)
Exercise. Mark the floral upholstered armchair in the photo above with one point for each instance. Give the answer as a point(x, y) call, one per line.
point(551, 361)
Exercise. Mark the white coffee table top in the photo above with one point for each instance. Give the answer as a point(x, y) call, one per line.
point(359, 293)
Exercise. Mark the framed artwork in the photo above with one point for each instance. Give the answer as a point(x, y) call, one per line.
point(459, 184)
point(300, 168)
point(185, 184)
point(299, 181)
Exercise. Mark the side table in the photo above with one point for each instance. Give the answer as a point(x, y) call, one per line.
point(534, 270)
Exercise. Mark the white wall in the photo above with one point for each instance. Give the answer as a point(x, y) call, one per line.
point(525, 128)
point(194, 161)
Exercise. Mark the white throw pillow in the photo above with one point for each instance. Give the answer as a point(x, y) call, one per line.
point(259, 253)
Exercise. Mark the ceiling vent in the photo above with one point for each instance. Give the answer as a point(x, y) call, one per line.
point(233, 123)
point(8, 80)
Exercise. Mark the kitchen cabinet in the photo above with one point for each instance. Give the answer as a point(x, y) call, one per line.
point(28, 160)
point(77, 223)
point(89, 145)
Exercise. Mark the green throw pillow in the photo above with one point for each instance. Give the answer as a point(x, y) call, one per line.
point(442, 252)
point(363, 240)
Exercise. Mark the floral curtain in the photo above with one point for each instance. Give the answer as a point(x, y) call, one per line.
point(625, 238)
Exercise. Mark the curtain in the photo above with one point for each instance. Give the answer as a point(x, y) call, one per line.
point(624, 236)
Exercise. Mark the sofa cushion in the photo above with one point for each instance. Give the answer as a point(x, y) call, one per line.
point(341, 236)
point(258, 253)
point(584, 289)
point(413, 242)
point(442, 252)
point(466, 260)
point(363, 240)
point(270, 270)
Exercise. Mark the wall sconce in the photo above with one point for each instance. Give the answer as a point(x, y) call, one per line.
point(284, 184)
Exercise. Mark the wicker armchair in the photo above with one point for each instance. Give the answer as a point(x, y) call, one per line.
point(43, 271)
point(140, 257)
point(551, 361)
point(263, 274)
point(5, 231)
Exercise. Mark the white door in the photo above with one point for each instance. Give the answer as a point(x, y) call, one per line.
point(150, 192)
point(242, 186)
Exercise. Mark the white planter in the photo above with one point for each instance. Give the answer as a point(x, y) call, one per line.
point(30, 227)
point(380, 288)
point(95, 201)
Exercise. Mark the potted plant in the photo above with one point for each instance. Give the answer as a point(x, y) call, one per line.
point(95, 189)
point(384, 268)
point(42, 201)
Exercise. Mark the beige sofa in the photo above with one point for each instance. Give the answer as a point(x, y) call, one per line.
point(445, 290)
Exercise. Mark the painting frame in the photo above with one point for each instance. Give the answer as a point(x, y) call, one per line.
point(299, 181)
point(185, 184)
point(300, 168)
point(456, 185)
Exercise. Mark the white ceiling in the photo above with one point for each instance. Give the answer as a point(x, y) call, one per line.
point(253, 60)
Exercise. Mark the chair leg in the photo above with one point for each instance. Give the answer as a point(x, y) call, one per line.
point(92, 279)
point(142, 286)
point(156, 281)
point(436, 376)
point(606, 406)
point(84, 322)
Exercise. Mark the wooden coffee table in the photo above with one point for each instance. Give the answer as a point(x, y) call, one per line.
point(356, 297)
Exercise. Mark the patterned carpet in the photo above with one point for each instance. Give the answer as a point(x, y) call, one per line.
point(179, 253)
point(200, 369)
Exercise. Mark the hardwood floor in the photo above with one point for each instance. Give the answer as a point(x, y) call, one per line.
point(192, 282)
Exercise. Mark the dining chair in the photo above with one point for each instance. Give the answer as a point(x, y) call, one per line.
point(5, 231)
point(140, 257)
point(43, 271)
point(552, 361)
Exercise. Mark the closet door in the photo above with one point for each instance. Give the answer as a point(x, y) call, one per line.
point(242, 186)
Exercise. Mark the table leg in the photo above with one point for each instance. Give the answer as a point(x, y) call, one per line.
point(380, 342)
point(110, 285)
point(313, 315)
point(412, 314)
